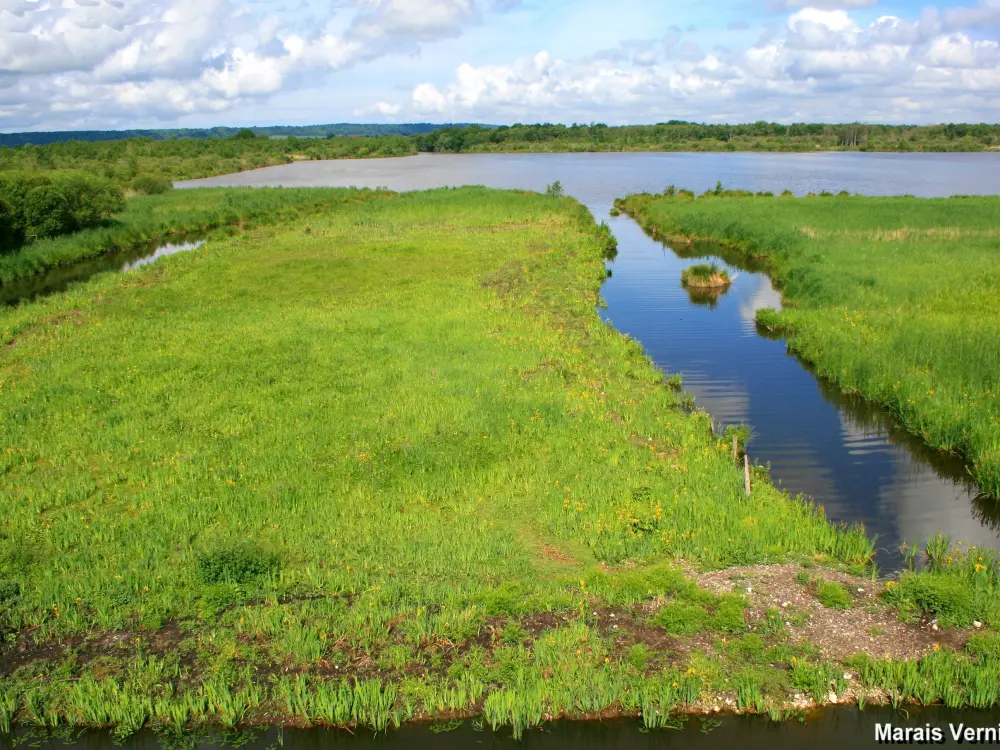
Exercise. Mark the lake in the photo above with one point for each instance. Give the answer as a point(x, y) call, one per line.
point(848, 455)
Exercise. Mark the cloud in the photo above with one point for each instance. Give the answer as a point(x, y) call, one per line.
point(108, 63)
point(112, 61)
point(778, 6)
point(383, 109)
point(821, 65)
point(984, 15)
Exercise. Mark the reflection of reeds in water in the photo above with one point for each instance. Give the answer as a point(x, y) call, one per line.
point(706, 296)
point(986, 510)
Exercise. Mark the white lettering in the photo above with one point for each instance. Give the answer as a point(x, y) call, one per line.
point(883, 733)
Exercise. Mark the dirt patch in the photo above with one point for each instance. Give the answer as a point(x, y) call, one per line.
point(74, 316)
point(551, 553)
point(868, 627)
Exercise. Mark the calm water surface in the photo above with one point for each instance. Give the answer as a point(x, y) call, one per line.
point(832, 729)
point(59, 279)
point(848, 455)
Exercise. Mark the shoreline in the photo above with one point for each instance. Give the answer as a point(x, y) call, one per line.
point(764, 262)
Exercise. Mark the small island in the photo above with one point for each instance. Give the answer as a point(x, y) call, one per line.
point(705, 276)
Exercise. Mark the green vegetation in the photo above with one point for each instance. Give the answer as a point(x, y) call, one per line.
point(890, 298)
point(384, 466)
point(188, 158)
point(154, 218)
point(687, 136)
point(41, 138)
point(50, 204)
point(955, 679)
point(705, 276)
point(381, 467)
point(150, 184)
point(958, 588)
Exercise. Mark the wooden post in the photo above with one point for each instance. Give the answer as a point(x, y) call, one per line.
point(746, 472)
point(736, 448)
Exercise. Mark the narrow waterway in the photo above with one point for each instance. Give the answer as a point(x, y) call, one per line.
point(60, 278)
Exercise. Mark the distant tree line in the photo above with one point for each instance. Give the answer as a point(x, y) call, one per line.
point(672, 135)
point(677, 135)
point(301, 131)
point(188, 158)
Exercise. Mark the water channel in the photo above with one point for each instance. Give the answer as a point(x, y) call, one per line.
point(829, 729)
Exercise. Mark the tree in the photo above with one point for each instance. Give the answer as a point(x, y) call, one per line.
point(47, 212)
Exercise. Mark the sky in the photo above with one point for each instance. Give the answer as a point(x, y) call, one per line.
point(109, 64)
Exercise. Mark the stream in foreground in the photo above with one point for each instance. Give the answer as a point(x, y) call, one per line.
point(830, 729)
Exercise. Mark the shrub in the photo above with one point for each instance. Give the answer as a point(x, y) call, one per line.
point(942, 595)
point(36, 206)
point(151, 184)
point(555, 190)
point(638, 656)
point(9, 591)
point(833, 595)
point(236, 565)
point(681, 619)
point(46, 212)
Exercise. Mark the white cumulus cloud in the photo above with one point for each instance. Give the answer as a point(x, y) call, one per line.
point(823, 65)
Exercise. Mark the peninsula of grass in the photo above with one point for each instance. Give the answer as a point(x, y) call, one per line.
point(154, 219)
point(890, 298)
point(389, 465)
point(705, 276)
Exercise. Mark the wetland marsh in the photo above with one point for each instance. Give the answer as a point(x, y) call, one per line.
point(390, 465)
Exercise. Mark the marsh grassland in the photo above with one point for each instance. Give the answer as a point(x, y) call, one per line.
point(150, 219)
point(386, 464)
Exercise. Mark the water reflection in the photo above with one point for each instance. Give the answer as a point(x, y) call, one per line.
point(848, 454)
point(830, 729)
point(706, 296)
point(60, 278)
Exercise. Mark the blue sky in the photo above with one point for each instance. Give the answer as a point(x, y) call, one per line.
point(72, 64)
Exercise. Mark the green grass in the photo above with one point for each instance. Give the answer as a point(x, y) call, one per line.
point(891, 298)
point(705, 275)
point(391, 468)
point(150, 219)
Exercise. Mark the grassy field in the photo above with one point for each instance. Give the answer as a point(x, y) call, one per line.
point(388, 464)
point(891, 298)
point(150, 219)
